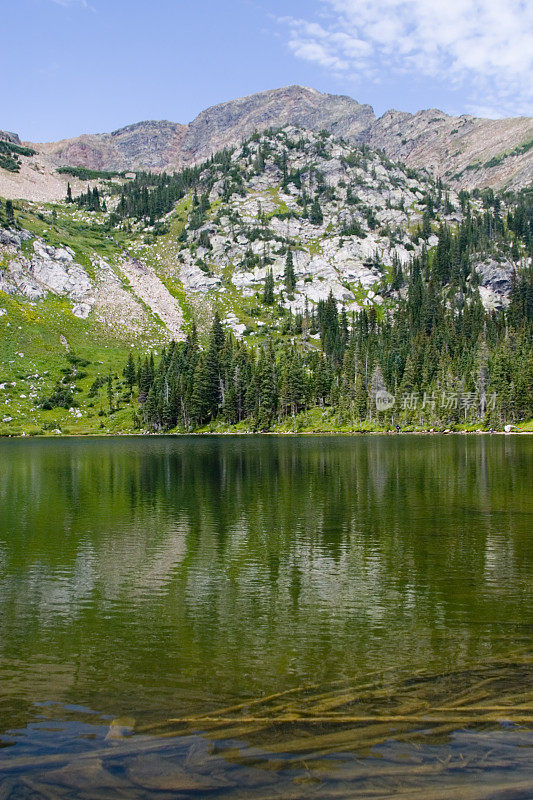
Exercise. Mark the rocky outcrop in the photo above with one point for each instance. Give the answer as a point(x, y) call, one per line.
point(121, 300)
point(50, 270)
point(367, 213)
point(495, 279)
point(11, 238)
point(370, 210)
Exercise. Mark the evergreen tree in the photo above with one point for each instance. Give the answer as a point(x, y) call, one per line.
point(289, 276)
point(315, 213)
point(267, 394)
point(268, 289)
point(129, 373)
point(10, 214)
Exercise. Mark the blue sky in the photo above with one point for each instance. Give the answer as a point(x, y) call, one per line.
point(88, 66)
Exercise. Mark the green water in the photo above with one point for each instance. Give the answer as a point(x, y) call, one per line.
point(151, 578)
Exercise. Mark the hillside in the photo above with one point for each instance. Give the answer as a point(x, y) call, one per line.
point(465, 151)
point(266, 235)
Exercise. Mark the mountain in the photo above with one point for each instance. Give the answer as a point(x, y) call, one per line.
point(350, 216)
point(167, 145)
point(144, 145)
point(7, 136)
point(288, 230)
point(466, 151)
point(227, 124)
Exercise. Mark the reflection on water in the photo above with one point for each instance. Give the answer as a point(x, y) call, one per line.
point(164, 577)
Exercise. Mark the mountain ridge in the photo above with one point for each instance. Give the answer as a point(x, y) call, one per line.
point(465, 151)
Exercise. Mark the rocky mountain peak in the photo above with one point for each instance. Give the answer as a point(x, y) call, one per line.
point(226, 124)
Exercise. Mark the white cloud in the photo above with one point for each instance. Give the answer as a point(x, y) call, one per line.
point(485, 46)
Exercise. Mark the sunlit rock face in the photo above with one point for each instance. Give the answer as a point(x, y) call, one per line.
point(49, 270)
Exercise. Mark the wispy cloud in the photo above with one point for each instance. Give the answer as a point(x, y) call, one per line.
point(65, 3)
point(485, 46)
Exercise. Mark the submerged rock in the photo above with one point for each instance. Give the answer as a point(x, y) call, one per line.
point(162, 774)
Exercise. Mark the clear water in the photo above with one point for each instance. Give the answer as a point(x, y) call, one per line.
point(380, 586)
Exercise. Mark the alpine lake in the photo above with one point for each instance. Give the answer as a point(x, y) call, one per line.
point(267, 617)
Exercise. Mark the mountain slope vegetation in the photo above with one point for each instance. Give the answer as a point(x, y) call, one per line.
point(295, 267)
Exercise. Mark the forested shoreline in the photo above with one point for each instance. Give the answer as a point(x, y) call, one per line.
point(431, 364)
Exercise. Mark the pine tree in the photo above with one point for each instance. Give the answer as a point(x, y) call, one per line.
point(289, 276)
point(315, 213)
point(129, 373)
point(426, 225)
point(397, 273)
point(10, 214)
point(268, 290)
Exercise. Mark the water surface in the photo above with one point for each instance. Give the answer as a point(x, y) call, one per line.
point(357, 579)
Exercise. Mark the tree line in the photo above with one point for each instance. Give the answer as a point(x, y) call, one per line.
point(434, 362)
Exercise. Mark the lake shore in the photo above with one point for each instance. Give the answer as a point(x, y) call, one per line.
point(204, 433)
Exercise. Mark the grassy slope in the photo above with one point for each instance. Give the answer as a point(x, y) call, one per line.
point(317, 420)
point(43, 331)
point(31, 345)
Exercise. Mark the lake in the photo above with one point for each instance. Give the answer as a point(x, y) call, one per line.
point(266, 616)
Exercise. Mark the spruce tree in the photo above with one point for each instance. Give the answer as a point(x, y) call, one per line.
point(289, 276)
point(315, 213)
point(217, 336)
point(129, 373)
point(267, 386)
point(10, 214)
point(268, 290)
